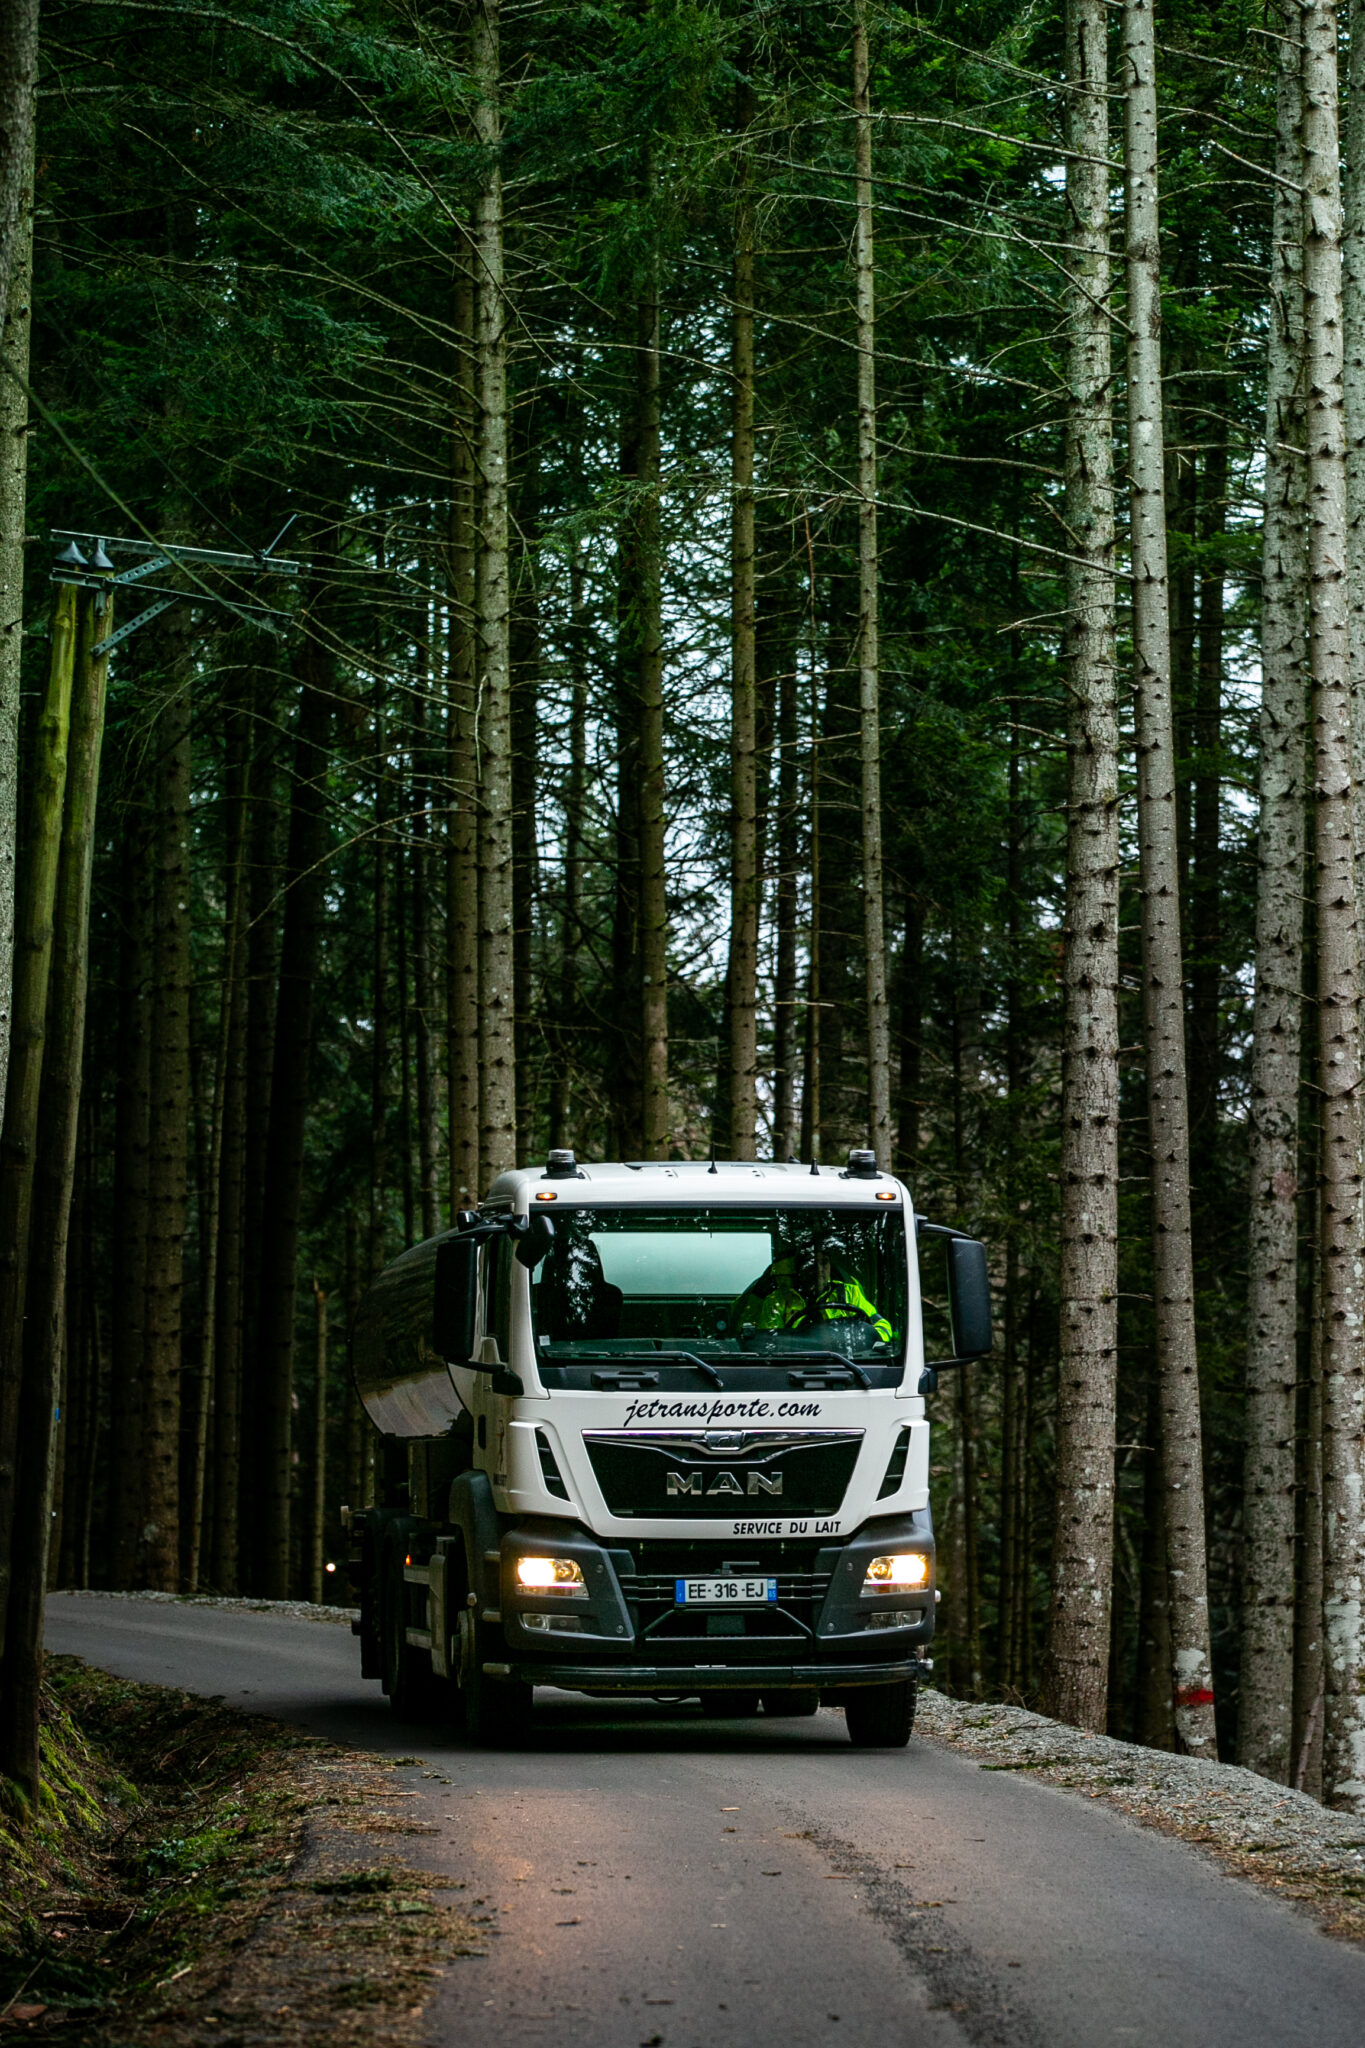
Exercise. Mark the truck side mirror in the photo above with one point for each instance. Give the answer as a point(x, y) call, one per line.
point(969, 1297)
point(455, 1298)
point(534, 1241)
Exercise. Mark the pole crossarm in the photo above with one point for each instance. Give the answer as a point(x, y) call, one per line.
point(90, 560)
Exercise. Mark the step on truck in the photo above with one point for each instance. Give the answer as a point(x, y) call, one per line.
point(659, 1429)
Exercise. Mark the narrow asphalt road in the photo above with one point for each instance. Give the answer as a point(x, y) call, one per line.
point(653, 1880)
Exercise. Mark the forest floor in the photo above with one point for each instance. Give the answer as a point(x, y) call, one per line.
point(1276, 1837)
point(200, 1876)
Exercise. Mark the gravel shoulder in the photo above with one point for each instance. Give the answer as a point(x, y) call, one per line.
point(1276, 1837)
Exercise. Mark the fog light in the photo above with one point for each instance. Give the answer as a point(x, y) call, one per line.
point(561, 1623)
point(895, 1617)
point(888, 1574)
point(550, 1575)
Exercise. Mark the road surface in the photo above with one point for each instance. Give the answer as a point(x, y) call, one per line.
point(661, 1881)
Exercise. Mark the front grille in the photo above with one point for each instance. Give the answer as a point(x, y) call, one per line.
point(657, 1588)
point(732, 1632)
point(715, 1473)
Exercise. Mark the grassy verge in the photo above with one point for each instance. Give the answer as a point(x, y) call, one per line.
point(200, 1875)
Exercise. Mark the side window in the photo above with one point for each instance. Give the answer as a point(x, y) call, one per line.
point(499, 1297)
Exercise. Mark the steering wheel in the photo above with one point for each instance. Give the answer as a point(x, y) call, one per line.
point(840, 1312)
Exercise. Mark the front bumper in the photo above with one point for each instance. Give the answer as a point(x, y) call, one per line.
point(672, 1678)
point(625, 1633)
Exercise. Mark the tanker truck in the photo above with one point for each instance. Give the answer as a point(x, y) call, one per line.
point(658, 1429)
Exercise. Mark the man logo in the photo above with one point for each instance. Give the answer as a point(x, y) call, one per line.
point(690, 1483)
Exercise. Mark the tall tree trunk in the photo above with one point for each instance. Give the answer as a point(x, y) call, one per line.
point(575, 794)
point(649, 686)
point(1078, 1648)
point(526, 707)
point(1268, 1481)
point(1353, 387)
point(810, 1089)
point(318, 1517)
point(1309, 1661)
point(1162, 966)
point(1205, 941)
point(425, 1023)
point(227, 1415)
point(269, 806)
point(497, 1036)
point(18, 90)
point(210, 1241)
point(785, 1125)
point(1337, 940)
point(462, 843)
point(45, 1300)
point(379, 995)
point(402, 928)
point(14, 353)
point(168, 1143)
point(869, 669)
point(741, 985)
point(294, 1030)
point(32, 972)
point(132, 1138)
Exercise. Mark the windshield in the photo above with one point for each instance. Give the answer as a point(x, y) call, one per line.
point(724, 1283)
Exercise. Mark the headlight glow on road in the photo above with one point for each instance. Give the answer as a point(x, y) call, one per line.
point(550, 1575)
point(907, 1568)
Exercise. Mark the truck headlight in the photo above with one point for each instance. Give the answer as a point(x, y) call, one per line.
point(550, 1575)
point(893, 1574)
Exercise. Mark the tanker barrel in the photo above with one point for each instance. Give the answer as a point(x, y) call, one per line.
point(402, 1379)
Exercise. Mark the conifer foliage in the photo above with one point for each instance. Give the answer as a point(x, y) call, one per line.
point(825, 573)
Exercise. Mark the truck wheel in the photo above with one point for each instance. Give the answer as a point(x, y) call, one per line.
point(729, 1706)
point(497, 1711)
point(795, 1704)
point(407, 1675)
point(880, 1716)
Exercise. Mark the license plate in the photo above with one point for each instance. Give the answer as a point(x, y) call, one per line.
point(734, 1592)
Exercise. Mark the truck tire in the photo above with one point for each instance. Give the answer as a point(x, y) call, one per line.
point(497, 1711)
point(880, 1716)
point(407, 1676)
point(729, 1706)
point(794, 1704)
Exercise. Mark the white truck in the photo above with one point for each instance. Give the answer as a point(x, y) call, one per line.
point(659, 1429)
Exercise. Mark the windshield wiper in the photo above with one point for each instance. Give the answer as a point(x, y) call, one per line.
point(819, 1374)
point(615, 1370)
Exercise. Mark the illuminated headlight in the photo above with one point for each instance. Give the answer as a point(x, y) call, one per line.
point(893, 1574)
point(550, 1575)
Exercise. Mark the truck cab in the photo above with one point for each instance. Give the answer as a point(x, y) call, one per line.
point(659, 1429)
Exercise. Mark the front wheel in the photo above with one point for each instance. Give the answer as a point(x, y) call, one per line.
point(497, 1711)
point(880, 1716)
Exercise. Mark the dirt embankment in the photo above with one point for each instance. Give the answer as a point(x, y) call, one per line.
point(199, 1876)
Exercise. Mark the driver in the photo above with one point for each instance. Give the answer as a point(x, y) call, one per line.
point(791, 1296)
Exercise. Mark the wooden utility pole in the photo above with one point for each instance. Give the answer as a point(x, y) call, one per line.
point(869, 670)
point(32, 972)
point(1268, 1472)
point(54, 1176)
point(1163, 981)
point(1078, 1649)
point(14, 354)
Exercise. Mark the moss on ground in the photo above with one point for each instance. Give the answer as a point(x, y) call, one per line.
point(193, 1869)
